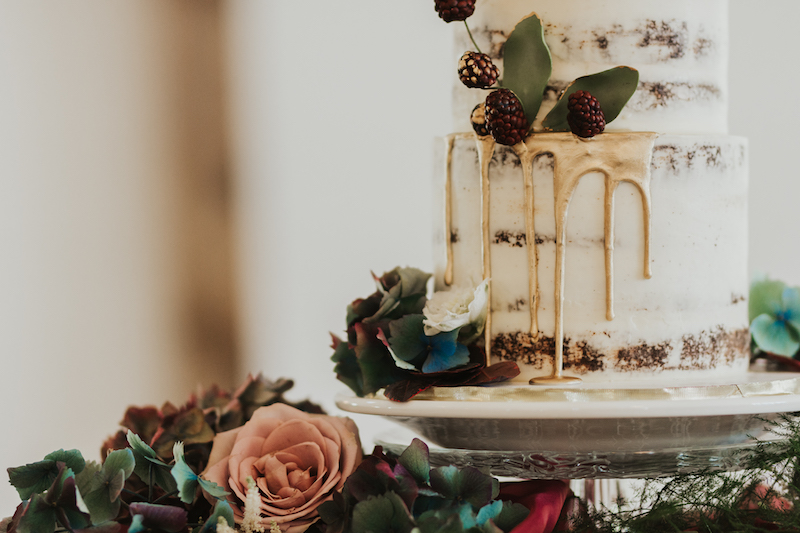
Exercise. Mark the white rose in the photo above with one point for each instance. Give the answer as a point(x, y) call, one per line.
point(455, 308)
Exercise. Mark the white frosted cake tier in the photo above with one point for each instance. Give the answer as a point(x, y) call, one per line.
point(680, 49)
point(688, 319)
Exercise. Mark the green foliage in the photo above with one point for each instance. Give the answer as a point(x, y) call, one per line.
point(188, 482)
point(36, 477)
point(527, 64)
point(221, 509)
point(393, 494)
point(765, 496)
point(775, 314)
point(101, 487)
point(149, 467)
point(612, 88)
point(59, 504)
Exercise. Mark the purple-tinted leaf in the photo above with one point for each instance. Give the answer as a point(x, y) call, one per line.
point(170, 519)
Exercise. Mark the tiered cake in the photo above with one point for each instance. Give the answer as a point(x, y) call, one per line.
point(623, 256)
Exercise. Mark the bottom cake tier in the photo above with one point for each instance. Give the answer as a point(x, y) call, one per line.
point(639, 255)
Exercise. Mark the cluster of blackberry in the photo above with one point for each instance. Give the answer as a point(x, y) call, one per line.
point(501, 115)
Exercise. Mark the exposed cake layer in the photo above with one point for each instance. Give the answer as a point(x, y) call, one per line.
point(690, 316)
point(680, 49)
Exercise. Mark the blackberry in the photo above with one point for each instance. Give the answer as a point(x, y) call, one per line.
point(585, 118)
point(450, 10)
point(476, 70)
point(505, 118)
point(478, 120)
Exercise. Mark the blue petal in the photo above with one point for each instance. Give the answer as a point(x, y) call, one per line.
point(489, 512)
point(467, 516)
point(773, 336)
point(445, 356)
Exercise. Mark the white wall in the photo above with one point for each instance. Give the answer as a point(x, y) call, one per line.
point(94, 157)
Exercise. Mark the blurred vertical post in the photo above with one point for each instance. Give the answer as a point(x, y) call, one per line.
point(116, 280)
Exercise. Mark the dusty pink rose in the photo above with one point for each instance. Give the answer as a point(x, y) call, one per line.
point(296, 459)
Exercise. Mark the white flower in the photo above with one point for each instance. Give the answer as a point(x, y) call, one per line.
point(455, 308)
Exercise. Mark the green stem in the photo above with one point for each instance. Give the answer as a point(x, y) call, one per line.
point(471, 38)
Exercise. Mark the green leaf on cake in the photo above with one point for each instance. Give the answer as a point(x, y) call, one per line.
point(612, 88)
point(527, 64)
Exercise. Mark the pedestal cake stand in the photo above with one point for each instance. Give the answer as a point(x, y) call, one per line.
point(589, 431)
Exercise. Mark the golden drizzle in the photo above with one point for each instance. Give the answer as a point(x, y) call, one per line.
point(619, 157)
point(526, 158)
point(448, 202)
point(485, 151)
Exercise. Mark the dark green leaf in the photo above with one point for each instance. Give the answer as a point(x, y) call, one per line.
point(612, 88)
point(34, 478)
point(377, 365)
point(416, 459)
point(39, 517)
point(467, 484)
point(527, 64)
point(346, 368)
point(406, 337)
point(149, 466)
point(511, 515)
point(440, 521)
point(71, 458)
point(382, 513)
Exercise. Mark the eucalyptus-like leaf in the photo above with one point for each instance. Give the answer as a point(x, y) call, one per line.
point(612, 88)
point(527, 64)
point(416, 459)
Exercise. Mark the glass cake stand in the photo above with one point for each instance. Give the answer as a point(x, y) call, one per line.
point(591, 432)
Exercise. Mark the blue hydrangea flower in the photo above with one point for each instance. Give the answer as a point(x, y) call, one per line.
point(775, 317)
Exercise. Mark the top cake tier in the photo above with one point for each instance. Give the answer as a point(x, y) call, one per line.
point(679, 47)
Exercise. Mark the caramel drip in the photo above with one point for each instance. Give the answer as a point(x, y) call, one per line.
point(526, 158)
point(485, 151)
point(448, 202)
point(619, 157)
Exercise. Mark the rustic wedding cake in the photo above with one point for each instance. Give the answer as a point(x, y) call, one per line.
point(617, 256)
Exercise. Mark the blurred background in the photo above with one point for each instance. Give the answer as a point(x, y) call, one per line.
point(191, 190)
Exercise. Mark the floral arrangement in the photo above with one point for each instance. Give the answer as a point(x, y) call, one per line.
point(775, 321)
point(249, 461)
point(400, 341)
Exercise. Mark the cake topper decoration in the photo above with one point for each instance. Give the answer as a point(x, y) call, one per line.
point(528, 66)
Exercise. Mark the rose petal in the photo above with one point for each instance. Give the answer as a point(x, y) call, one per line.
point(221, 446)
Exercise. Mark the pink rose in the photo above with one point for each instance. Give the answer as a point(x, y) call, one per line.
point(298, 460)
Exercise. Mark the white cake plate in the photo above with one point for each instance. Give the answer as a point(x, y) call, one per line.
point(595, 419)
